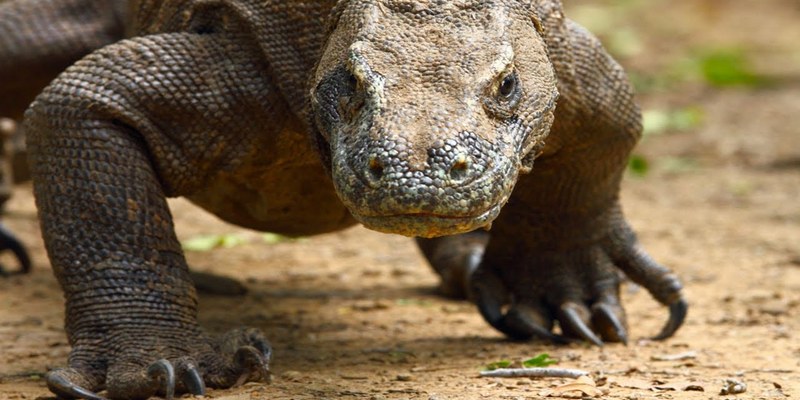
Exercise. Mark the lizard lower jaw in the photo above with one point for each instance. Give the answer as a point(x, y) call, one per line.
point(429, 225)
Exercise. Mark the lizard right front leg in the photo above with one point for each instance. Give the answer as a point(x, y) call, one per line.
point(108, 140)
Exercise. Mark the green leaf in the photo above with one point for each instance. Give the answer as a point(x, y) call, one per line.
point(540, 361)
point(272, 238)
point(728, 67)
point(209, 242)
point(677, 165)
point(498, 364)
point(638, 165)
point(228, 241)
point(686, 118)
point(656, 121)
point(201, 243)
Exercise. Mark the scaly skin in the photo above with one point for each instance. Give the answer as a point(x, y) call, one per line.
point(426, 116)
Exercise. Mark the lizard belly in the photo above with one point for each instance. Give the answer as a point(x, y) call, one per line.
point(281, 188)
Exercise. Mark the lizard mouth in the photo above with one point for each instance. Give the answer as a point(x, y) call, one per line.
point(429, 224)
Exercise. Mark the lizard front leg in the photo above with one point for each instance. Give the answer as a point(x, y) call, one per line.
point(561, 244)
point(109, 139)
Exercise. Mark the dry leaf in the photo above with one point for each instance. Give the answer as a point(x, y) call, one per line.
point(584, 384)
point(682, 386)
point(630, 383)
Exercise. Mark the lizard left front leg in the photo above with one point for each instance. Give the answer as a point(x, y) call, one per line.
point(559, 248)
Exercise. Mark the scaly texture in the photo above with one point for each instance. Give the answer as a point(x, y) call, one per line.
point(427, 116)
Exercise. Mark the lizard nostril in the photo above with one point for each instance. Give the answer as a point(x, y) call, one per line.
point(375, 168)
point(460, 168)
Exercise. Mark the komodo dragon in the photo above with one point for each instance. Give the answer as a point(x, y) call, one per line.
point(417, 117)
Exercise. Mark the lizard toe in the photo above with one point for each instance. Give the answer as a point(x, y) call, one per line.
point(243, 355)
point(253, 365)
point(190, 377)
point(71, 383)
point(523, 321)
point(662, 283)
point(162, 378)
point(532, 321)
point(128, 379)
point(609, 321)
point(677, 314)
point(575, 322)
point(455, 259)
point(608, 315)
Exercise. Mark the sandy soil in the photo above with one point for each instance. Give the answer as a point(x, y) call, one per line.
point(355, 314)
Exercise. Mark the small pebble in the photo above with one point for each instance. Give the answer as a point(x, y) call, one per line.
point(404, 378)
point(732, 386)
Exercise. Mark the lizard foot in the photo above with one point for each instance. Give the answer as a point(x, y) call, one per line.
point(239, 356)
point(9, 242)
point(455, 258)
point(524, 297)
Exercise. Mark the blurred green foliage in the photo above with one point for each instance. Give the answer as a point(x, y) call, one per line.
point(605, 22)
point(210, 242)
point(540, 361)
point(658, 121)
point(727, 67)
point(272, 238)
point(498, 365)
point(202, 243)
point(638, 165)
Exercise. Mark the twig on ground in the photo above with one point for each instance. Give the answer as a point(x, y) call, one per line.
point(533, 373)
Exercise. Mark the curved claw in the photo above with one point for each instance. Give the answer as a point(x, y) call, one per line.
point(9, 242)
point(489, 295)
point(677, 314)
point(192, 380)
point(574, 322)
point(487, 291)
point(605, 317)
point(517, 320)
point(62, 387)
point(162, 372)
point(252, 362)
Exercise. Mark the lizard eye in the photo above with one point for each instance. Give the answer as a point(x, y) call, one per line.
point(508, 86)
point(503, 97)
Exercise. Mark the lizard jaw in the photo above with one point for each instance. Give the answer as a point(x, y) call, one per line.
point(429, 225)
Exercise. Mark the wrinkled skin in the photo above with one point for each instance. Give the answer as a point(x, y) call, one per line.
point(418, 117)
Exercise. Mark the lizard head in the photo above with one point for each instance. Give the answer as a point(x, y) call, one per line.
point(428, 110)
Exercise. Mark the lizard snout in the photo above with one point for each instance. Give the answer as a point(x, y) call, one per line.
point(450, 163)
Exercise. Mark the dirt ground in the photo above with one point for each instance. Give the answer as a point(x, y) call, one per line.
point(355, 314)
